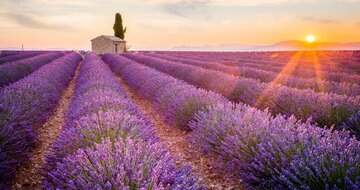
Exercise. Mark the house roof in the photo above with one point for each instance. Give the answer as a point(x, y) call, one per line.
point(112, 38)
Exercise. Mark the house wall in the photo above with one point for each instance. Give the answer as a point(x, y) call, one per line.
point(103, 45)
point(121, 47)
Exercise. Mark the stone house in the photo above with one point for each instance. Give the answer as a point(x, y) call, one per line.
point(108, 44)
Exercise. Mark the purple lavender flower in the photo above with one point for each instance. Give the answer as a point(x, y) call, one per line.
point(107, 141)
point(325, 109)
point(166, 91)
point(10, 56)
point(266, 75)
point(125, 164)
point(274, 152)
point(353, 125)
point(13, 71)
point(345, 71)
point(261, 150)
point(25, 105)
point(93, 128)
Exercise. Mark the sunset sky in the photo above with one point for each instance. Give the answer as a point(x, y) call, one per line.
point(71, 24)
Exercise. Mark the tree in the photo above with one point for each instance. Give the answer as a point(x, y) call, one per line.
point(119, 30)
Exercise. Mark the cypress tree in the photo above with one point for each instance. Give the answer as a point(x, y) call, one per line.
point(119, 30)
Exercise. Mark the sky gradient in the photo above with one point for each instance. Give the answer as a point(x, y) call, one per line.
point(71, 24)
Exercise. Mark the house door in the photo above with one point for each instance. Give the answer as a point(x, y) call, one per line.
point(116, 48)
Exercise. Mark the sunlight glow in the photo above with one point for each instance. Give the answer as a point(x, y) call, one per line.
point(310, 38)
point(282, 77)
point(317, 68)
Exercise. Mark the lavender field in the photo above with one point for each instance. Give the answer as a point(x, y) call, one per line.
point(180, 120)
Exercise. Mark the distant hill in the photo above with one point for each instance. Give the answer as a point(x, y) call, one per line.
point(10, 48)
point(33, 49)
point(292, 45)
point(222, 47)
point(300, 45)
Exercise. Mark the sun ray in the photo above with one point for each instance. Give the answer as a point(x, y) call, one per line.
point(318, 73)
point(285, 73)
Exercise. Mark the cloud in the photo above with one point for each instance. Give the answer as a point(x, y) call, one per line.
point(30, 22)
point(228, 21)
point(318, 20)
point(242, 2)
point(187, 8)
point(49, 7)
point(358, 23)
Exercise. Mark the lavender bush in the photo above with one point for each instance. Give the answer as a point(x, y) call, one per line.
point(93, 128)
point(5, 53)
point(277, 153)
point(107, 141)
point(318, 85)
point(125, 164)
point(14, 56)
point(353, 125)
point(342, 68)
point(25, 105)
point(254, 147)
point(167, 92)
point(325, 109)
point(99, 110)
point(13, 71)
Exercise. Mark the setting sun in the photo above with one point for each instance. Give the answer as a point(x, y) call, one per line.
point(310, 38)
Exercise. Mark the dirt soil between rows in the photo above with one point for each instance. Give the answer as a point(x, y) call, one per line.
point(175, 140)
point(29, 175)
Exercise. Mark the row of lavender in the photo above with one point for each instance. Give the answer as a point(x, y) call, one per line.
point(315, 71)
point(24, 106)
point(107, 142)
point(281, 57)
point(253, 147)
point(325, 109)
point(268, 76)
point(4, 53)
point(329, 62)
point(18, 56)
point(13, 71)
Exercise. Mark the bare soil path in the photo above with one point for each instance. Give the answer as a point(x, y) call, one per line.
point(29, 175)
point(175, 140)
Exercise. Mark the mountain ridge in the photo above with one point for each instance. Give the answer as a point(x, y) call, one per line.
point(290, 45)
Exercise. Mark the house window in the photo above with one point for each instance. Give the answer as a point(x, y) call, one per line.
point(116, 48)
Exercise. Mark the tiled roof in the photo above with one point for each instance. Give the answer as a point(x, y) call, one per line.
point(112, 38)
